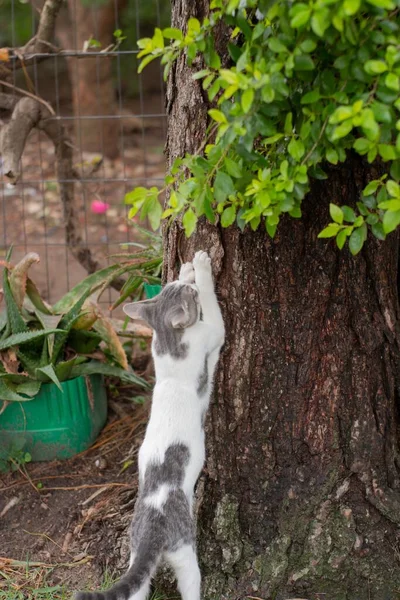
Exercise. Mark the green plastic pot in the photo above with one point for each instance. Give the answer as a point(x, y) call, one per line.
point(152, 290)
point(55, 424)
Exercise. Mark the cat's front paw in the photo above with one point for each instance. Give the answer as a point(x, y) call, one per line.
point(186, 274)
point(202, 265)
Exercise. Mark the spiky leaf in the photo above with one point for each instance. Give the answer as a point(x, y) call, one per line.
point(104, 327)
point(18, 276)
point(15, 320)
point(95, 366)
point(23, 338)
point(46, 373)
point(10, 395)
point(85, 287)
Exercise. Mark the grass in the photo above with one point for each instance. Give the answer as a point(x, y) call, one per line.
point(31, 585)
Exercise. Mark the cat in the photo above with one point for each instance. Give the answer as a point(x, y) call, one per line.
point(188, 335)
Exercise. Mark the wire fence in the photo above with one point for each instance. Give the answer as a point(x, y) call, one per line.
point(114, 119)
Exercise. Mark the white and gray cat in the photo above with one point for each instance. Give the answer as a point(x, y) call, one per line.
point(188, 335)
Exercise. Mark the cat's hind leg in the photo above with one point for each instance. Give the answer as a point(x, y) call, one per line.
point(143, 592)
point(186, 568)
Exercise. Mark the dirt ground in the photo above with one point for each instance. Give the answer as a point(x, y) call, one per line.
point(74, 528)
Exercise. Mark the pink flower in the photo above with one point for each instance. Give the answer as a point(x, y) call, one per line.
point(99, 208)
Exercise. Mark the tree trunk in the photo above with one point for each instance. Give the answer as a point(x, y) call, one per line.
point(92, 86)
point(300, 496)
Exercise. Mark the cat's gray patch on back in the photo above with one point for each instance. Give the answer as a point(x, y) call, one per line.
point(171, 471)
point(168, 341)
point(202, 381)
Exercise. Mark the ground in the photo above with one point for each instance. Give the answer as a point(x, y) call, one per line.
point(72, 532)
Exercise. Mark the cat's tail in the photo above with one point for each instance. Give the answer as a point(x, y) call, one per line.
point(137, 576)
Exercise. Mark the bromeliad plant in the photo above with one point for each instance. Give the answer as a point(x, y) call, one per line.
point(307, 82)
point(40, 343)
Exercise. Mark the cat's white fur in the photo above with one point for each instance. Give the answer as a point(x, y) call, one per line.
point(177, 411)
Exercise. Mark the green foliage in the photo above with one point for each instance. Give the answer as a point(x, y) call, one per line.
point(40, 343)
point(14, 457)
point(307, 83)
point(17, 20)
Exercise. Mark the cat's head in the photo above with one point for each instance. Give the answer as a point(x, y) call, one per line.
point(176, 307)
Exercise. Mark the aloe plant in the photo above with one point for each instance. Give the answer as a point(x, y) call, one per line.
point(40, 343)
point(143, 265)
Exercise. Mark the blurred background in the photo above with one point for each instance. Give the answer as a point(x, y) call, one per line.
point(115, 120)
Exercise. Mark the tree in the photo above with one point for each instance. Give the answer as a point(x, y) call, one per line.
point(295, 118)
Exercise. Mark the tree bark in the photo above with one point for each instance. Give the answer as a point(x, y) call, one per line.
point(92, 86)
point(300, 495)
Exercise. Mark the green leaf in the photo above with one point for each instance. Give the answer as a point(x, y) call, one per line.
point(341, 114)
point(393, 188)
point(342, 130)
point(336, 213)
point(90, 283)
point(332, 156)
point(217, 115)
point(15, 320)
point(23, 338)
point(348, 214)
point(392, 81)
point(233, 168)
point(189, 222)
point(300, 14)
point(276, 46)
point(371, 187)
point(375, 67)
point(330, 231)
point(9, 395)
point(311, 97)
point(351, 7)
point(303, 62)
point(357, 240)
point(320, 21)
point(387, 152)
point(308, 46)
point(96, 367)
point(296, 149)
point(378, 232)
point(381, 112)
point(155, 213)
point(228, 216)
point(49, 373)
point(362, 146)
point(271, 229)
point(171, 33)
point(223, 186)
point(247, 100)
point(341, 238)
point(391, 220)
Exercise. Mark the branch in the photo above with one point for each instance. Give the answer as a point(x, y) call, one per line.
point(28, 114)
point(47, 23)
point(7, 102)
point(14, 134)
point(41, 42)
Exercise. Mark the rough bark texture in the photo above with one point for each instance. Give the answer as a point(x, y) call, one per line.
point(300, 497)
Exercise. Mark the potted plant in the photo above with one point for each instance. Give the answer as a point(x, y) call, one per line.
point(52, 363)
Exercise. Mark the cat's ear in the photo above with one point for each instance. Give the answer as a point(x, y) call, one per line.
point(141, 310)
point(180, 318)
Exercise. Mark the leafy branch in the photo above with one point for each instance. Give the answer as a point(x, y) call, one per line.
point(308, 82)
